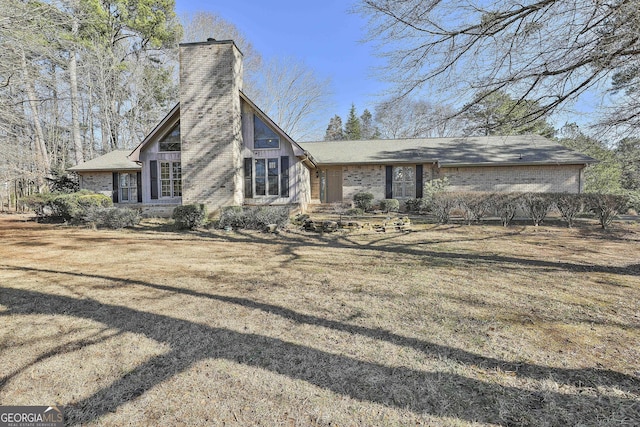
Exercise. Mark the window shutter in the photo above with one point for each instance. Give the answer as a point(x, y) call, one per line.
point(248, 177)
point(284, 176)
point(153, 173)
point(114, 193)
point(388, 193)
point(139, 186)
point(419, 182)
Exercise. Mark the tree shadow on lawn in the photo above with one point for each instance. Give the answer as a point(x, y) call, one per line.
point(416, 249)
point(421, 392)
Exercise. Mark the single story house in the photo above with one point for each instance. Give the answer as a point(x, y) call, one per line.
point(217, 148)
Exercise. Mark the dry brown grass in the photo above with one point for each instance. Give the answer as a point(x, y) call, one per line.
point(450, 325)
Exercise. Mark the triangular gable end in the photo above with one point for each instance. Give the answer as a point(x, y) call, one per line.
point(165, 125)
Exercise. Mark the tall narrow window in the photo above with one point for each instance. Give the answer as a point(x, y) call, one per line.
point(284, 176)
point(261, 177)
point(273, 176)
point(176, 177)
point(170, 179)
point(128, 187)
point(404, 182)
point(267, 177)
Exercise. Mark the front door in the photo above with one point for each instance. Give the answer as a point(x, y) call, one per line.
point(334, 185)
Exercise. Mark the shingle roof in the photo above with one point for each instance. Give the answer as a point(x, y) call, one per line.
point(112, 161)
point(471, 151)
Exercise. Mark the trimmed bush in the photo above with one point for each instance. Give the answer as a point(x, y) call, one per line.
point(442, 204)
point(112, 217)
point(39, 203)
point(390, 205)
point(254, 218)
point(506, 205)
point(474, 205)
point(569, 205)
point(354, 212)
point(606, 206)
point(188, 217)
point(233, 217)
point(66, 206)
point(415, 205)
point(537, 206)
point(363, 201)
point(430, 189)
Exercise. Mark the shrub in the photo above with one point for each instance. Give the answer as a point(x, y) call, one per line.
point(66, 206)
point(569, 205)
point(262, 216)
point(188, 217)
point(354, 212)
point(537, 206)
point(390, 205)
point(232, 216)
point(606, 206)
point(506, 205)
point(442, 204)
point(39, 203)
point(474, 205)
point(112, 217)
point(254, 218)
point(363, 201)
point(430, 189)
point(634, 200)
point(415, 205)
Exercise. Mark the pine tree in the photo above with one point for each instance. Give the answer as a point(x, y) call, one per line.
point(352, 129)
point(334, 130)
point(367, 128)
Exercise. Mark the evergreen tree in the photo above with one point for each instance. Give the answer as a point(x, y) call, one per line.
point(628, 153)
point(367, 128)
point(334, 130)
point(497, 113)
point(352, 128)
point(601, 177)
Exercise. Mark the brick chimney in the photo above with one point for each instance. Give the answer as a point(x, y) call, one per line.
point(210, 123)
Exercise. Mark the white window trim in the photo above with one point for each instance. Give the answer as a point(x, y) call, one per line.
point(172, 179)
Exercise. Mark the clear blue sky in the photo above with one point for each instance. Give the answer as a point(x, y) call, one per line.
point(325, 35)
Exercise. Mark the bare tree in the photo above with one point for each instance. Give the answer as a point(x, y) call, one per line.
point(285, 88)
point(200, 26)
point(406, 118)
point(292, 95)
point(546, 51)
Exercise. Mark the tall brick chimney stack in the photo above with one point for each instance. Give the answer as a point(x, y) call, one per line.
point(210, 123)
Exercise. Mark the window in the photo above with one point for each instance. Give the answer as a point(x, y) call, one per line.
point(128, 187)
point(170, 179)
point(263, 136)
point(270, 177)
point(171, 141)
point(404, 182)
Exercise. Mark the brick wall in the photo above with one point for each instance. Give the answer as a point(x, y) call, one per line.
point(98, 182)
point(548, 179)
point(554, 178)
point(210, 124)
point(363, 178)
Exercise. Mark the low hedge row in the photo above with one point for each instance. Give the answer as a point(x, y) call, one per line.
point(476, 206)
point(82, 207)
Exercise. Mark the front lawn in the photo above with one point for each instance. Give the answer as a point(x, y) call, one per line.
point(448, 325)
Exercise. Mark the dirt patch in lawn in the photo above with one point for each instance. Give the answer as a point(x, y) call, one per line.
point(447, 325)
